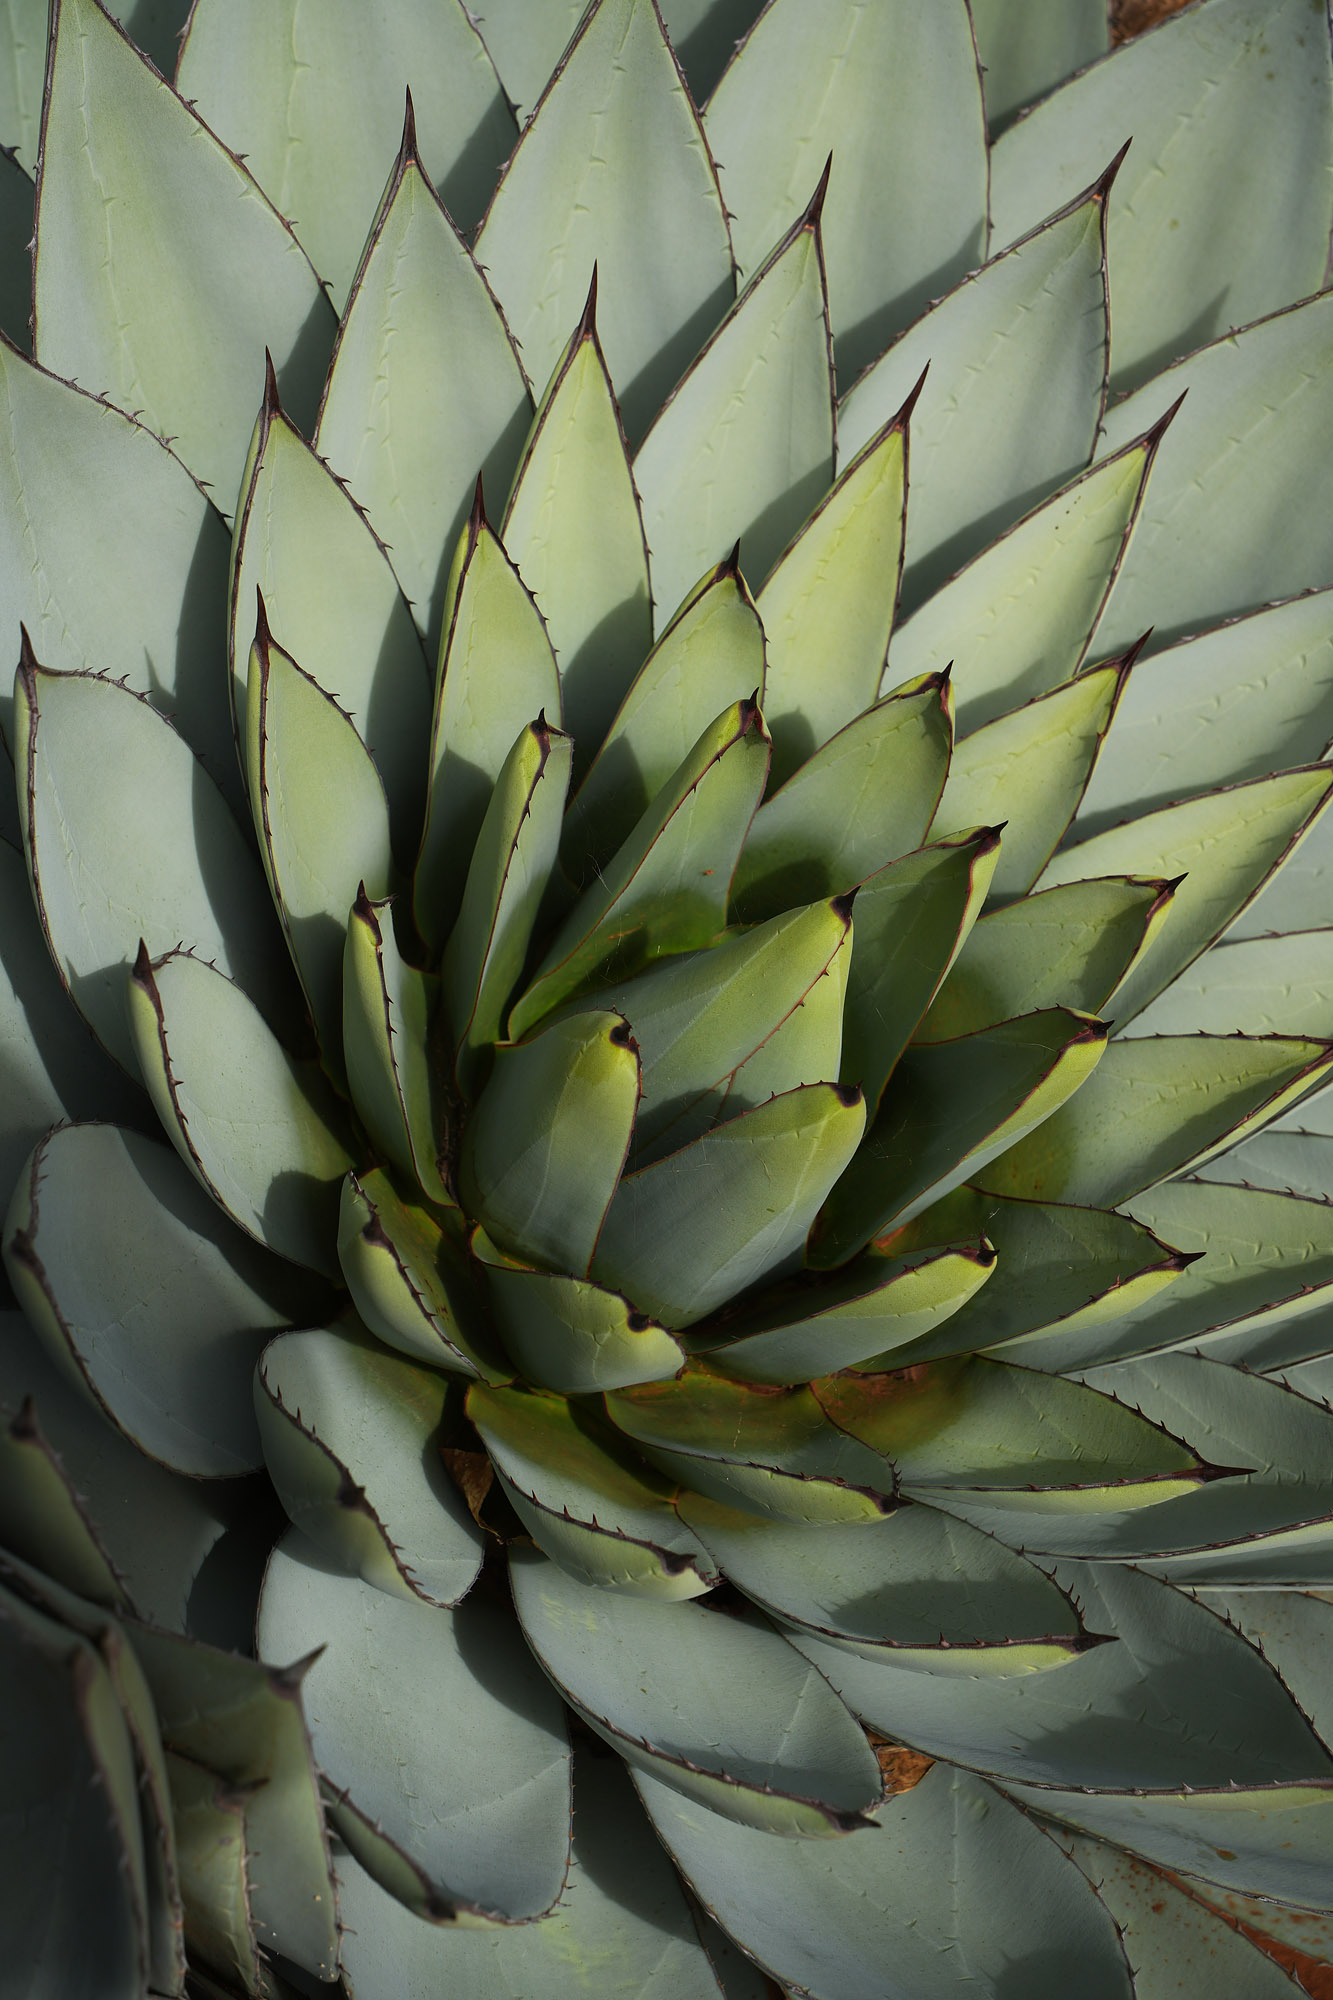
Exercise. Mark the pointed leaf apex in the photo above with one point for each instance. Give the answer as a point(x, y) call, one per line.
point(476, 520)
point(904, 415)
point(263, 635)
point(731, 565)
point(841, 906)
point(849, 1094)
point(408, 153)
point(587, 326)
point(1131, 652)
point(142, 974)
point(29, 666)
point(813, 215)
point(25, 1424)
point(272, 401)
point(1102, 187)
point(1154, 437)
point(287, 1680)
point(364, 910)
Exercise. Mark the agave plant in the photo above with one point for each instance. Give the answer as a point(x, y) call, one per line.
point(667, 961)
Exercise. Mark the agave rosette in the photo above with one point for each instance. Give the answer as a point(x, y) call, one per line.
point(743, 1051)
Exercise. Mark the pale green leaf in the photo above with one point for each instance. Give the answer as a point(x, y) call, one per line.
point(1168, 1935)
point(1017, 358)
point(666, 889)
point(496, 669)
point(704, 34)
point(621, 1927)
point(1025, 51)
point(1257, 1288)
point(511, 868)
point(770, 1452)
point(1225, 844)
point(243, 1721)
point(658, 1682)
point(828, 606)
point(948, 1110)
point(50, 1068)
point(980, 1422)
point(744, 448)
point(1254, 696)
point(699, 1020)
point(420, 313)
point(741, 1199)
point(1269, 1840)
point(1017, 620)
point(868, 1308)
point(333, 603)
point(710, 655)
point(350, 1436)
point(1026, 772)
point(262, 1132)
point(1193, 247)
point(321, 819)
point(453, 1785)
point(615, 170)
point(122, 570)
point(915, 1586)
point(146, 1294)
point(568, 1334)
point(133, 180)
point(881, 1917)
point(1156, 1107)
point(209, 1816)
point(1061, 1275)
point(526, 45)
point(1234, 515)
point(862, 801)
point(1260, 986)
point(546, 1142)
point(72, 1851)
point(587, 1498)
point(1178, 1699)
point(129, 839)
point(155, 1529)
point(313, 102)
point(22, 79)
point(386, 1012)
point(913, 917)
point(406, 1267)
point(1067, 947)
point(906, 211)
point(572, 525)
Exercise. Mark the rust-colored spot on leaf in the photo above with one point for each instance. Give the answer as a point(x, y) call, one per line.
point(473, 1475)
point(900, 1767)
point(1131, 17)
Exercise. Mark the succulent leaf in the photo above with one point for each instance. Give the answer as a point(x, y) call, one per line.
point(190, 222)
point(906, 213)
point(420, 304)
point(469, 1819)
point(312, 102)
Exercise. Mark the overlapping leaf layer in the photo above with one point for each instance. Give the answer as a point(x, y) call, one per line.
point(667, 1012)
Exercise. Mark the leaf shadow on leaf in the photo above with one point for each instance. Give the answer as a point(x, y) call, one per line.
point(612, 651)
point(857, 347)
point(1208, 324)
point(300, 378)
point(224, 1596)
point(641, 399)
point(770, 532)
point(510, 1676)
point(196, 696)
point(295, 1201)
point(922, 578)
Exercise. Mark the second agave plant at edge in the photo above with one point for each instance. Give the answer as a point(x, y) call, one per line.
point(709, 845)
